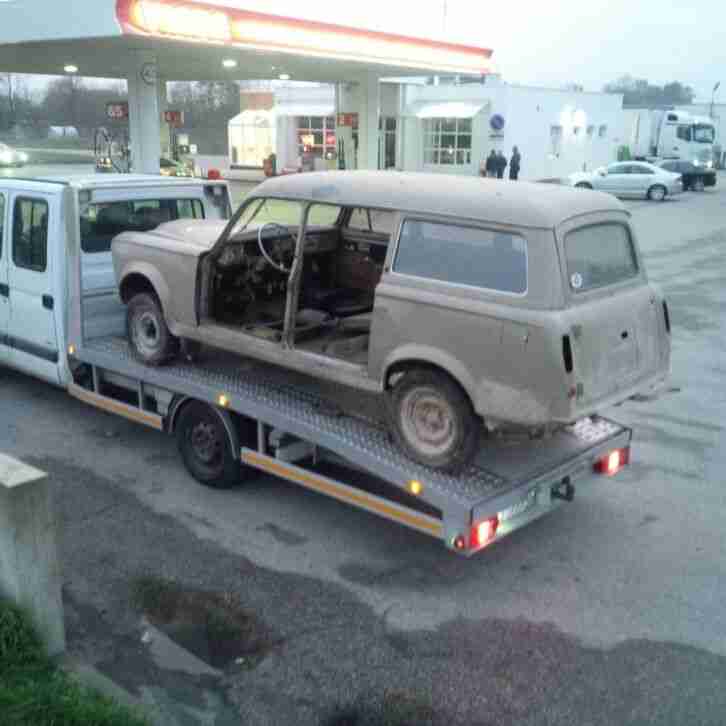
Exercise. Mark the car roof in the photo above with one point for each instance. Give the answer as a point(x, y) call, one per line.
point(102, 181)
point(521, 204)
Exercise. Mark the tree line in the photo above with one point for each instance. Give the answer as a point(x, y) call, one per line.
point(73, 101)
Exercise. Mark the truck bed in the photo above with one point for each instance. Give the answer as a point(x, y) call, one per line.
point(312, 411)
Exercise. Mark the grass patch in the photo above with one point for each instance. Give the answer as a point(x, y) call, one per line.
point(33, 692)
point(214, 626)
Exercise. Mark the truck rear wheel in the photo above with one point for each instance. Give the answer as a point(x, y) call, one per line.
point(205, 446)
point(432, 420)
point(148, 332)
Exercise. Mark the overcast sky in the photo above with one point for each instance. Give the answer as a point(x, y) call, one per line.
point(552, 43)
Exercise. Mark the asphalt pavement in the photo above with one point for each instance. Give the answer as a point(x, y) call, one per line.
point(609, 611)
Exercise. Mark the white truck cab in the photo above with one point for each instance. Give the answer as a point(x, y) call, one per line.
point(41, 220)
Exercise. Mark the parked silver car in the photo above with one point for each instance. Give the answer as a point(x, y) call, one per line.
point(630, 179)
point(468, 303)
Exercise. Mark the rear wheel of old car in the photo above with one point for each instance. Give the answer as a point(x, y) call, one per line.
point(432, 420)
point(657, 193)
point(698, 185)
point(148, 332)
point(205, 446)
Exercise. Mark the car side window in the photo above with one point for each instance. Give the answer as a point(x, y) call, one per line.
point(471, 256)
point(30, 234)
point(683, 132)
point(640, 169)
point(619, 169)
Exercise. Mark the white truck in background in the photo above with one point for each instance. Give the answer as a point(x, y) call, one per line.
point(670, 134)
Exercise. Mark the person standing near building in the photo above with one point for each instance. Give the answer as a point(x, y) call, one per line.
point(501, 164)
point(514, 164)
point(491, 164)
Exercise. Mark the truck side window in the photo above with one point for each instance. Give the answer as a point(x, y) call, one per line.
point(683, 132)
point(101, 222)
point(30, 234)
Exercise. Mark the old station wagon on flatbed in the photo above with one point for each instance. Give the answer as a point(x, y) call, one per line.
point(468, 303)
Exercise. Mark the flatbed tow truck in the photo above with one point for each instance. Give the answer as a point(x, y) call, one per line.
point(287, 428)
point(280, 423)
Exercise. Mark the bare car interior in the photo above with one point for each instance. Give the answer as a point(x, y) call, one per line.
point(330, 286)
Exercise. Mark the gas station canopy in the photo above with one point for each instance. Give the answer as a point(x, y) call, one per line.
point(192, 40)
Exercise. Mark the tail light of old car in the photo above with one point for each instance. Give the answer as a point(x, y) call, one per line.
point(613, 462)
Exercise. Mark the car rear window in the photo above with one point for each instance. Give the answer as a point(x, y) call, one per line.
point(463, 255)
point(101, 222)
point(599, 255)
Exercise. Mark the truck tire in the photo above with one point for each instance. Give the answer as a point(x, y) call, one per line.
point(657, 193)
point(432, 420)
point(148, 333)
point(698, 185)
point(205, 447)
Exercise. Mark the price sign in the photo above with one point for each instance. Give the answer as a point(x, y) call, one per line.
point(347, 119)
point(117, 111)
point(174, 118)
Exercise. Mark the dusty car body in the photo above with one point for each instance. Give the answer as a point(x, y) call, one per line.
point(463, 300)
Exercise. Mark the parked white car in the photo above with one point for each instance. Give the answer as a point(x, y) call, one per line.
point(630, 179)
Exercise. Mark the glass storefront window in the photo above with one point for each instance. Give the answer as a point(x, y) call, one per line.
point(447, 141)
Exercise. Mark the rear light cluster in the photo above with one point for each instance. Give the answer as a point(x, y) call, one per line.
point(480, 535)
point(613, 462)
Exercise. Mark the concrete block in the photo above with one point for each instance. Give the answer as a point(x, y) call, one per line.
point(29, 569)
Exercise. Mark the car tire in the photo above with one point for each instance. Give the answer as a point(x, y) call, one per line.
point(149, 336)
point(432, 420)
point(657, 193)
point(698, 185)
point(583, 185)
point(205, 448)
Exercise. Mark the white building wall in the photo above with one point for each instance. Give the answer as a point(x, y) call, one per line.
point(529, 114)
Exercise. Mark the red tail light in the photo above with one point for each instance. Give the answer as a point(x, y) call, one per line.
point(482, 533)
point(613, 462)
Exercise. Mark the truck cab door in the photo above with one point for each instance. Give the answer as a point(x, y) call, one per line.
point(4, 288)
point(34, 222)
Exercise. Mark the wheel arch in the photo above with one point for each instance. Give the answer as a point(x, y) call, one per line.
point(143, 278)
point(226, 417)
point(416, 357)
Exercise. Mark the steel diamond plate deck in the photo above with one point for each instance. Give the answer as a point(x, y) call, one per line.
point(306, 408)
point(299, 412)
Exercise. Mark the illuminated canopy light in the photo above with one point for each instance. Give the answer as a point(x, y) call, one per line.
point(198, 21)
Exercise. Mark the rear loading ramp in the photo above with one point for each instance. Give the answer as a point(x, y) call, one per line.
point(512, 476)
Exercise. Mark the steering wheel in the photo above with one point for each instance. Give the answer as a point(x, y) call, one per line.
point(277, 265)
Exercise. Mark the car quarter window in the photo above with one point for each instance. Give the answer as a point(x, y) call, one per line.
point(462, 255)
point(101, 222)
point(30, 234)
point(371, 220)
point(599, 255)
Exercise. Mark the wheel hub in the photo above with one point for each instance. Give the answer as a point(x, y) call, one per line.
point(428, 421)
point(147, 332)
point(205, 442)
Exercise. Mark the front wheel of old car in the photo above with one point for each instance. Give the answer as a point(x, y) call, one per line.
point(149, 335)
point(432, 420)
